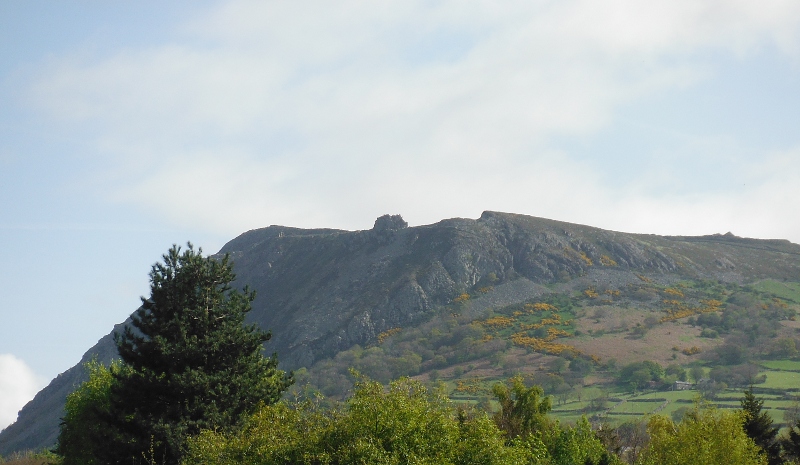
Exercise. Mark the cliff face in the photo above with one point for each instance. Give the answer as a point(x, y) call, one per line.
point(321, 291)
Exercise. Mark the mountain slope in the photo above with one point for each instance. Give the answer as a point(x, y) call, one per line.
point(323, 291)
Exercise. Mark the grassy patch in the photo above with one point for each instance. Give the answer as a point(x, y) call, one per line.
point(786, 365)
point(671, 396)
point(570, 407)
point(782, 380)
point(636, 407)
point(788, 291)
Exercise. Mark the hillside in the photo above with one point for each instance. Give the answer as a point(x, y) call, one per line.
point(475, 299)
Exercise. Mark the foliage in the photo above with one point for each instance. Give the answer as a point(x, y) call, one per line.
point(30, 457)
point(275, 434)
point(676, 371)
point(405, 423)
point(84, 433)
point(637, 375)
point(188, 364)
point(481, 442)
point(791, 443)
point(523, 410)
point(704, 436)
point(758, 426)
point(578, 445)
point(633, 439)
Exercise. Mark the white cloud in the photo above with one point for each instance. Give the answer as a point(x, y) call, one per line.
point(325, 114)
point(18, 385)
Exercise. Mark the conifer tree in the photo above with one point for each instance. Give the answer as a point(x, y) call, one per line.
point(791, 444)
point(189, 361)
point(758, 426)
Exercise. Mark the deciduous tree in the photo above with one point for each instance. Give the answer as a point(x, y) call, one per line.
point(523, 410)
point(705, 436)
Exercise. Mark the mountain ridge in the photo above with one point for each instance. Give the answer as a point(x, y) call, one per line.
point(322, 291)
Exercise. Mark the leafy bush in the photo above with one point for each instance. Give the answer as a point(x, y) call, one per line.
point(705, 436)
point(405, 424)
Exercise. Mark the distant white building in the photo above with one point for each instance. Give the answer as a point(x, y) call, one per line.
point(682, 386)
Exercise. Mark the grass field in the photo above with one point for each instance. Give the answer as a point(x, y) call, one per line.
point(789, 291)
point(782, 380)
point(671, 396)
point(616, 413)
point(636, 407)
point(789, 365)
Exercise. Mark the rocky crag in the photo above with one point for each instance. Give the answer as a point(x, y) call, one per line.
point(321, 291)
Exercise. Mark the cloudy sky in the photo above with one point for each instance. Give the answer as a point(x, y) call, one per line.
point(126, 127)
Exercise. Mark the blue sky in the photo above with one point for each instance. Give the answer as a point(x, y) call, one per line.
point(127, 127)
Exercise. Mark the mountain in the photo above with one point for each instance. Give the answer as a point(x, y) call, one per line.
point(323, 292)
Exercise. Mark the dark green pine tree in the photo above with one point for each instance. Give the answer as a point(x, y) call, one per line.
point(189, 361)
point(758, 426)
point(791, 444)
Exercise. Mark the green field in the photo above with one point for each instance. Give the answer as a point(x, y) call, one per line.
point(775, 402)
point(782, 380)
point(671, 396)
point(570, 407)
point(788, 365)
point(636, 407)
point(789, 291)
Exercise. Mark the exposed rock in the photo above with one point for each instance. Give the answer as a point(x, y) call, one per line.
point(389, 223)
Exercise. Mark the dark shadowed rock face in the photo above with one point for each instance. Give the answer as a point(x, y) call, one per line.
point(321, 291)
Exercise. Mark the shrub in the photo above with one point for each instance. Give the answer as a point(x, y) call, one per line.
point(704, 436)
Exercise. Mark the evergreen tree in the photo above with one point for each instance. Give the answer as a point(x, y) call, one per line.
point(189, 362)
point(758, 426)
point(791, 444)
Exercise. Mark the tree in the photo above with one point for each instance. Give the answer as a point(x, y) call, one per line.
point(83, 434)
point(791, 443)
point(402, 423)
point(188, 362)
point(633, 438)
point(758, 426)
point(677, 371)
point(637, 375)
point(791, 415)
point(557, 365)
point(523, 410)
point(578, 445)
point(580, 366)
point(405, 424)
point(697, 373)
point(704, 436)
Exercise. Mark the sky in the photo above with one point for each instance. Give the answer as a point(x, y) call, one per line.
point(126, 127)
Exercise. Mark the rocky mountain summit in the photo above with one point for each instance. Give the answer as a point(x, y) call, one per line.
point(321, 291)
